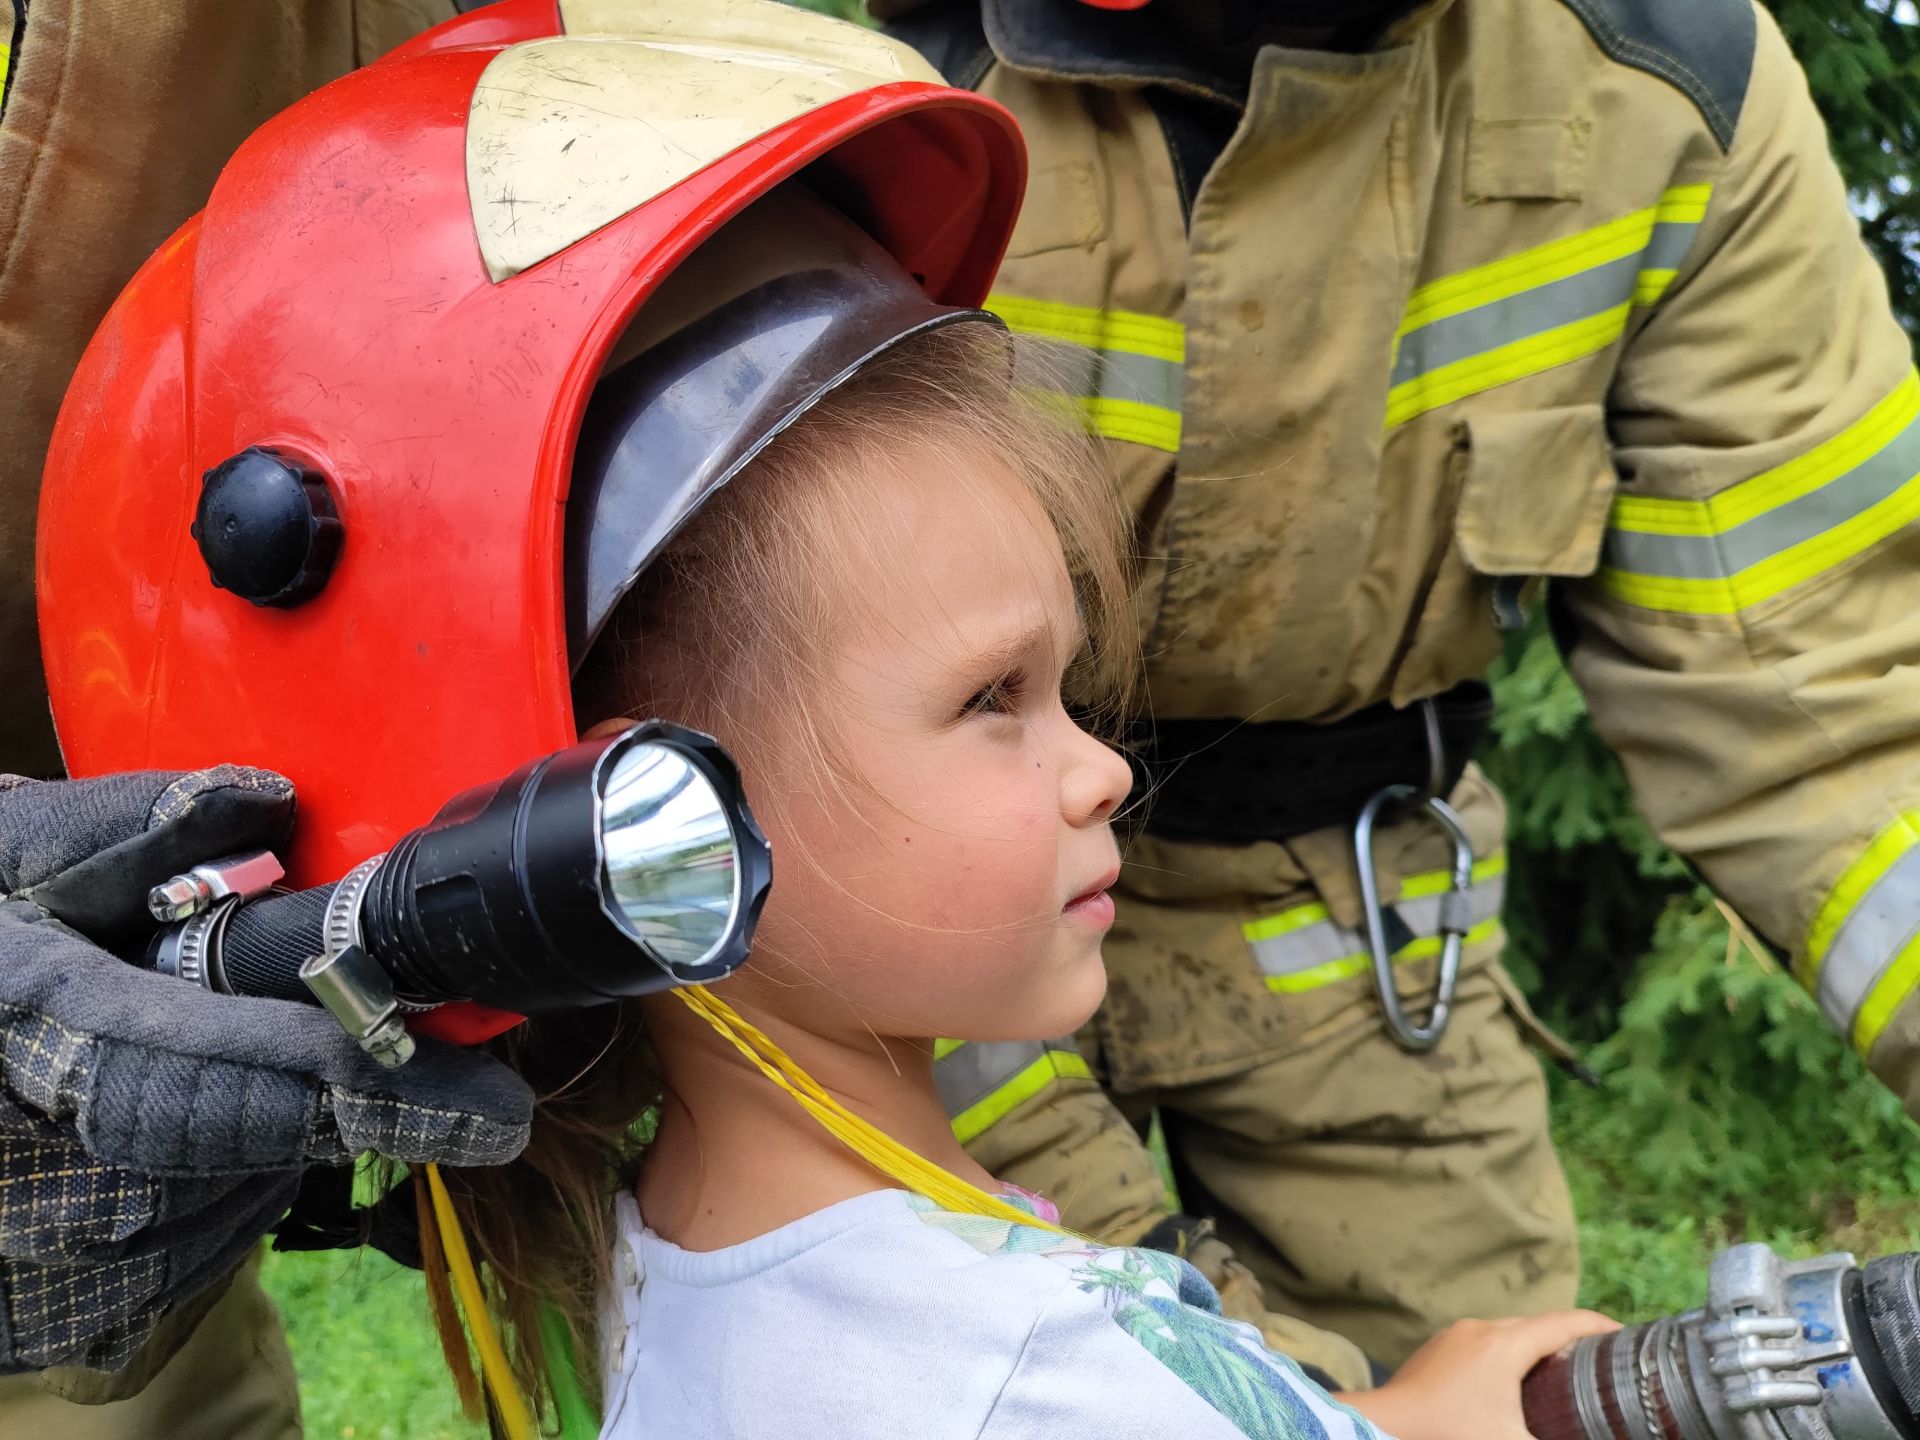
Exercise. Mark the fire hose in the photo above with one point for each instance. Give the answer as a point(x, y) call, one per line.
point(1820, 1349)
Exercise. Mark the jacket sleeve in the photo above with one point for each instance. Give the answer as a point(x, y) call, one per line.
point(1751, 644)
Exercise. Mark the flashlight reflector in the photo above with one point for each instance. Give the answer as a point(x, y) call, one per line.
point(668, 852)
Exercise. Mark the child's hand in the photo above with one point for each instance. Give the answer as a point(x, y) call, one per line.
point(1464, 1384)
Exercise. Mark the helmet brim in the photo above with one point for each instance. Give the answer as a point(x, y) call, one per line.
point(786, 304)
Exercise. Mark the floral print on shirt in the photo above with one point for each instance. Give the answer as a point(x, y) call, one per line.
point(1167, 1306)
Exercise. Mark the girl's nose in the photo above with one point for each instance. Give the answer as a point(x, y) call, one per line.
point(1096, 783)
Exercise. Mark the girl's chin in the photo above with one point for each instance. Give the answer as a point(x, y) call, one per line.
point(1068, 1003)
point(1037, 997)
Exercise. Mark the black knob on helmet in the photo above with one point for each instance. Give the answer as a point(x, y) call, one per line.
point(267, 527)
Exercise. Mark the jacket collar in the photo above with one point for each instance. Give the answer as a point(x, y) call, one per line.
point(1068, 40)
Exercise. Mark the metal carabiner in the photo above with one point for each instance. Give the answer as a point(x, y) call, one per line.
point(1454, 919)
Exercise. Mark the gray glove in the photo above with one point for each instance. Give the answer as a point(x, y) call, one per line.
point(152, 1132)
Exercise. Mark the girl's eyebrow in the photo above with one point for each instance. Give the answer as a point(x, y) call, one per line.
point(1005, 654)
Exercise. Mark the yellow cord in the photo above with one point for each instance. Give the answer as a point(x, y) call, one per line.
point(871, 1144)
point(515, 1417)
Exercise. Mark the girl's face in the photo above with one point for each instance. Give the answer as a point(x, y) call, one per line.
point(957, 885)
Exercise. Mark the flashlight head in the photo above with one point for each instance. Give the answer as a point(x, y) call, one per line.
point(610, 869)
point(674, 862)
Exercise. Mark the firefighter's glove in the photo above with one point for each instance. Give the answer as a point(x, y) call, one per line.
point(151, 1131)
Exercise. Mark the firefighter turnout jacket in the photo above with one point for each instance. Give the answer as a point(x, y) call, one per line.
point(1561, 289)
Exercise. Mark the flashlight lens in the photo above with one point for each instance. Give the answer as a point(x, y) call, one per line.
point(669, 854)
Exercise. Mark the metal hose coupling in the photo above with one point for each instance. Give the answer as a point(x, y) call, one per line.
point(1783, 1350)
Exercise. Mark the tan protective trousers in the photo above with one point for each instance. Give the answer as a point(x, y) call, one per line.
point(233, 1380)
point(1373, 1193)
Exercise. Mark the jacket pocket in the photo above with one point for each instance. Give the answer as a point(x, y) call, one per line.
point(1537, 491)
point(1534, 492)
point(1526, 159)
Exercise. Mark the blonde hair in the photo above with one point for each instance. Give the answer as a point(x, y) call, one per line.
point(731, 627)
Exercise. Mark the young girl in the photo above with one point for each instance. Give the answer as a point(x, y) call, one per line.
point(880, 619)
point(399, 294)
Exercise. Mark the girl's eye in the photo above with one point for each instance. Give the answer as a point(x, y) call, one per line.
point(998, 697)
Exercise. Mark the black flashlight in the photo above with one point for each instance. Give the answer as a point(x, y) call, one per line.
point(610, 869)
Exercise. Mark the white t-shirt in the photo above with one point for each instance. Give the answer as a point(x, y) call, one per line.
point(884, 1316)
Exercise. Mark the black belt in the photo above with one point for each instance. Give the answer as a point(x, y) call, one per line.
point(1232, 783)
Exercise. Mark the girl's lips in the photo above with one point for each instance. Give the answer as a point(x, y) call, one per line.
point(1094, 904)
point(1094, 909)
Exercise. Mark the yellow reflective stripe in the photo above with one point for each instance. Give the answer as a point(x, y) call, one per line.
point(1687, 597)
point(1767, 534)
point(1888, 994)
point(1769, 490)
point(1506, 364)
point(1101, 336)
point(1823, 552)
point(1555, 260)
point(6, 58)
point(1651, 285)
point(1124, 330)
point(1862, 953)
point(1718, 595)
point(1546, 306)
point(1436, 882)
point(1331, 973)
point(1851, 888)
point(1657, 515)
point(944, 1048)
point(1684, 205)
point(1412, 887)
point(989, 1110)
point(1723, 568)
point(1528, 270)
point(1272, 927)
point(1150, 425)
point(1348, 966)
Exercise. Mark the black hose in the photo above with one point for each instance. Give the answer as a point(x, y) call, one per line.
point(1888, 1294)
point(267, 940)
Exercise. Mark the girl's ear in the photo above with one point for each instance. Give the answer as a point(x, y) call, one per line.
point(610, 727)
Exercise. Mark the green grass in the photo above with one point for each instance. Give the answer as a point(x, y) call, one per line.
point(1637, 1270)
point(370, 1368)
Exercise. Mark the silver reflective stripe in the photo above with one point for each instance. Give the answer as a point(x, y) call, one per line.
point(1700, 557)
point(1869, 939)
point(1325, 941)
point(1531, 312)
point(1669, 246)
point(1307, 948)
point(979, 1067)
point(1079, 370)
point(1581, 310)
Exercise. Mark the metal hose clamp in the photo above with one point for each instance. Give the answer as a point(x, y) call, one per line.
point(1455, 919)
point(236, 877)
point(196, 906)
point(190, 950)
point(350, 982)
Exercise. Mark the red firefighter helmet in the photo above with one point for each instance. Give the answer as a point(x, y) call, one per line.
point(307, 504)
